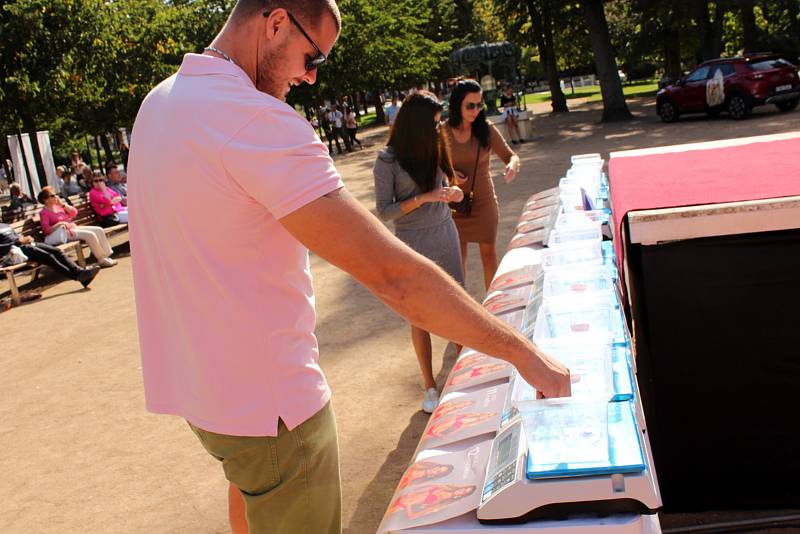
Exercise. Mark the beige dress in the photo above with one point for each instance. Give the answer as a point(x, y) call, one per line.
point(481, 225)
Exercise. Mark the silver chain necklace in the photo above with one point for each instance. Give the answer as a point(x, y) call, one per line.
point(220, 52)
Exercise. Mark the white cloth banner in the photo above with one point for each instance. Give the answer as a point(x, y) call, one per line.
point(20, 173)
point(32, 172)
point(46, 152)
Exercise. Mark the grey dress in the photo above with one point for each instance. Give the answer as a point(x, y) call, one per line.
point(429, 229)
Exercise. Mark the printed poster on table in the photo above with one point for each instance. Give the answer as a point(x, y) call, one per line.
point(518, 277)
point(464, 415)
point(513, 319)
point(538, 213)
point(539, 223)
point(500, 302)
point(474, 369)
point(438, 488)
point(541, 202)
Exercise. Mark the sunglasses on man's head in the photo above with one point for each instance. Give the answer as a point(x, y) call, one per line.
point(311, 62)
point(472, 105)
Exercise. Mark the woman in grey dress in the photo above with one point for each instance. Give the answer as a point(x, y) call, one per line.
point(412, 189)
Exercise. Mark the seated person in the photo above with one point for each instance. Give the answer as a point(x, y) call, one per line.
point(115, 184)
point(69, 184)
point(17, 203)
point(76, 163)
point(84, 178)
point(18, 198)
point(106, 202)
point(58, 228)
point(46, 255)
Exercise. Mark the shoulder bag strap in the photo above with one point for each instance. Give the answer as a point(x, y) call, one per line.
point(475, 170)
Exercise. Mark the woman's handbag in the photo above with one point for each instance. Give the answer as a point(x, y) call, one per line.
point(464, 207)
point(59, 236)
point(107, 221)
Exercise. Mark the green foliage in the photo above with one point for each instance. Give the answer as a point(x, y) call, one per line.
point(80, 67)
point(83, 66)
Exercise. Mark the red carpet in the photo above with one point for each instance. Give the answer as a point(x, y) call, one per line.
point(753, 171)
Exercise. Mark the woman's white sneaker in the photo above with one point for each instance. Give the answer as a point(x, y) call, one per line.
point(431, 400)
point(107, 262)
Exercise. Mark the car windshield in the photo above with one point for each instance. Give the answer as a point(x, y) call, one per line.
point(768, 64)
point(699, 74)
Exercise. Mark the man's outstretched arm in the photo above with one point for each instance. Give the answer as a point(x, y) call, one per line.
point(340, 230)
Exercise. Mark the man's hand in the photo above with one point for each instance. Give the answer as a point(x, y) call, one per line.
point(25, 240)
point(549, 376)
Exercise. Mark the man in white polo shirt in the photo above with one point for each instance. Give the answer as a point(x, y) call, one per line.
point(223, 289)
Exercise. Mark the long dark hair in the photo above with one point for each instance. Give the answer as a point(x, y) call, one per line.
point(419, 148)
point(480, 128)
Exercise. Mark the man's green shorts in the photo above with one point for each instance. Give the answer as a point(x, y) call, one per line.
point(290, 482)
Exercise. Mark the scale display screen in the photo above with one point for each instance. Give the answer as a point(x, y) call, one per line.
point(503, 461)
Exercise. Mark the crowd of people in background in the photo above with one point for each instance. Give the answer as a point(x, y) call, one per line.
point(107, 194)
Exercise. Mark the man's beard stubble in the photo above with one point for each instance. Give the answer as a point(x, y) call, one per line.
point(269, 63)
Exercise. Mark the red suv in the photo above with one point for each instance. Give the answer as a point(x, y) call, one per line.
point(735, 85)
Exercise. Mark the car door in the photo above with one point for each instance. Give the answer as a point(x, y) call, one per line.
point(725, 71)
point(694, 90)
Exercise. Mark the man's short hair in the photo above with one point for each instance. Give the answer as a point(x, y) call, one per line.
point(308, 11)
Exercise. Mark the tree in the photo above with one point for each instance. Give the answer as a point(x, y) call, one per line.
point(614, 106)
point(43, 75)
point(382, 46)
point(710, 29)
point(542, 27)
point(532, 23)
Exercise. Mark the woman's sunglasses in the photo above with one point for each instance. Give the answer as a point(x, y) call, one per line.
point(471, 106)
point(311, 62)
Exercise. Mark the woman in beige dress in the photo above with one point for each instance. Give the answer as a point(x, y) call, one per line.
point(472, 140)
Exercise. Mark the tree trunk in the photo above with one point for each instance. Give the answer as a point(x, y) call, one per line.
point(380, 116)
point(749, 35)
point(29, 126)
point(793, 12)
point(710, 31)
point(614, 106)
point(97, 149)
point(108, 151)
point(364, 102)
point(672, 54)
point(542, 29)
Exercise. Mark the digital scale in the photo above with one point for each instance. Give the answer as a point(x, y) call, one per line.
point(519, 488)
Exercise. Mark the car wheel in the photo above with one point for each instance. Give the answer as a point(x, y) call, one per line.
point(668, 111)
point(738, 107)
point(787, 105)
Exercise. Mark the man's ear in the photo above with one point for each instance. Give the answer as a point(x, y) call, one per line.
point(276, 22)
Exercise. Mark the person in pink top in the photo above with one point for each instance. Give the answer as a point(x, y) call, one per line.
point(58, 228)
point(225, 304)
point(106, 203)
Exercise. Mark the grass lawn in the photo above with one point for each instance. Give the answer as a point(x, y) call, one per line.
point(366, 120)
point(638, 88)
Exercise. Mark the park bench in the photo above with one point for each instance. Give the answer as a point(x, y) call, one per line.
point(30, 226)
point(87, 217)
